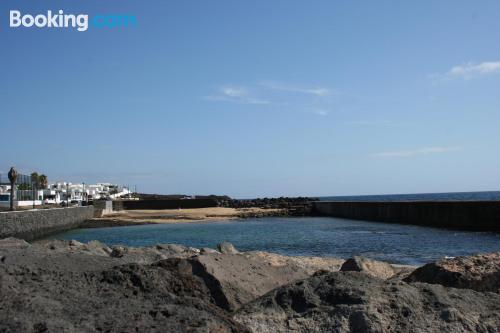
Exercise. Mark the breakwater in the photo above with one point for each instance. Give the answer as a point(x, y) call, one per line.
point(33, 224)
point(466, 215)
point(163, 204)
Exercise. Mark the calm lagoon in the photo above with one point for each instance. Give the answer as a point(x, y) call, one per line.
point(308, 236)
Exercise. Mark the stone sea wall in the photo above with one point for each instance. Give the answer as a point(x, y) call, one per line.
point(466, 215)
point(33, 224)
point(163, 204)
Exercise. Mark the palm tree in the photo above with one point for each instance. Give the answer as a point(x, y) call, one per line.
point(12, 178)
point(35, 179)
point(43, 181)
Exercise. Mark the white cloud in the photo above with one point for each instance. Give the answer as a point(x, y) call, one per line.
point(245, 95)
point(316, 91)
point(235, 95)
point(369, 122)
point(322, 112)
point(236, 92)
point(470, 70)
point(420, 151)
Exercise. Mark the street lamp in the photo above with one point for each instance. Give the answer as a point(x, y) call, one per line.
point(12, 178)
point(67, 194)
point(33, 192)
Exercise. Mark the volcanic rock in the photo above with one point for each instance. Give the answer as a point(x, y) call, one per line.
point(240, 279)
point(379, 269)
point(357, 302)
point(69, 286)
point(207, 250)
point(480, 272)
point(55, 291)
point(226, 248)
point(308, 264)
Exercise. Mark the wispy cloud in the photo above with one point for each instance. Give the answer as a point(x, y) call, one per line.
point(469, 71)
point(235, 94)
point(316, 91)
point(322, 113)
point(369, 122)
point(415, 152)
point(252, 94)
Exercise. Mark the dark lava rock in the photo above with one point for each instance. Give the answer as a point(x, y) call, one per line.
point(62, 286)
point(163, 297)
point(299, 206)
point(118, 251)
point(480, 272)
point(281, 202)
point(227, 248)
point(379, 269)
point(42, 289)
point(356, 302)
point(68, 286)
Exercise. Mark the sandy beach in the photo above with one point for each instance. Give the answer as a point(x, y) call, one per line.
point(135, 217)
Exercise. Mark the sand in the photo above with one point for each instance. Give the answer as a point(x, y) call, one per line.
point(134, 217)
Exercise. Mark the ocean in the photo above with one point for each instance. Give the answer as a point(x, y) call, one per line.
point(451, 196)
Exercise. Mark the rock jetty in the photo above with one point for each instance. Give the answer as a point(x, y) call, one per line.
point(294, 206)
point(54, 286)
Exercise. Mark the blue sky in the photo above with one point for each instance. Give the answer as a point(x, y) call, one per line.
point(258, 98)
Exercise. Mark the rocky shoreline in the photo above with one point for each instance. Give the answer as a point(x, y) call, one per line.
point(289, 206)
point(52, 286)
point(225, 208)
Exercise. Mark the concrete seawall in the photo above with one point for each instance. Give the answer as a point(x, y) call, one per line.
point(466, 215)
point(163, 204)
point(33, 224)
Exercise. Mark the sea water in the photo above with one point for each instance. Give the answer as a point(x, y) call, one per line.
point(305, 236)
point(450, 196)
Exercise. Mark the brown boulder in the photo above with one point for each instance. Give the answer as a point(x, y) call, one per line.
point(480, 272)
point(11, 242)
point(238, 279)
point(227, 248)
point(378, 269)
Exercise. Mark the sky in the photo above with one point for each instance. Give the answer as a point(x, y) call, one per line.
point(257, 98)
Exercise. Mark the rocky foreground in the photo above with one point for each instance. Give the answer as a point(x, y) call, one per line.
point(55, 286)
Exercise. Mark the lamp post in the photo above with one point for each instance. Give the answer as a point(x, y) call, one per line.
point(33, 192)
point(67, 194)
point(12, 178)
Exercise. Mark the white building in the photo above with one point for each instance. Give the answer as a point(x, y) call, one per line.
point(4, 189)
point(82, 191)
point(24, 198)
point(63, 192)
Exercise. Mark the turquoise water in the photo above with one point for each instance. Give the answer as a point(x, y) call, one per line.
point(310, 236)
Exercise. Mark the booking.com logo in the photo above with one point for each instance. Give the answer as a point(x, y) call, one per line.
point(80, 22)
